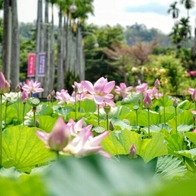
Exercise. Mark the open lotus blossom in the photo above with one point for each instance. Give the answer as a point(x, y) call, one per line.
point(100, 91)
point(80, 92)
point(192, 73)
point(141, 88)
point(64, 97)
point(73, 139)
point(153, 93)
point(123, 90)
point(76, 127)
point(32, 87)
point(4, 84)
point(84, 144)
point(192, 91)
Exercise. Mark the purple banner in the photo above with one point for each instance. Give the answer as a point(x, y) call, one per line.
point(41, 64)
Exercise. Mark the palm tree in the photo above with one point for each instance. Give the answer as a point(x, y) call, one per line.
point(174, 10)
point(189, 4)
point(46, 50)
point(14, 47)
point(10, 46)
point(52, 55)
point(176, 36)
point(6, 45)
point(185, 28)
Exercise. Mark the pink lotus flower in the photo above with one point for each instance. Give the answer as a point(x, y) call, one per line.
point(147, 101)
point(175, 102)
point(24, 96)
point(100, 91)
point(4, 84)
point(157, 83)
point(192, 73)
point(58, 138)
point(141, 88)
point(84, 144)
point(123, 89)
point(153, 93)
point(64, 97)
point(32, 87)
point(76, 127)
point(80, 92)
point(133, 151)
point(192, 91)
point(73, 139)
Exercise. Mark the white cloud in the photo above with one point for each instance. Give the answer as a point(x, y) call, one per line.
point(114, 12)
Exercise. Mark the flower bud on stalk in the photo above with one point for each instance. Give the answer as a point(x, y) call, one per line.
point(4, 85)
point(147, 101)
point(133, 152)
point(157, 83)
point(175, 102)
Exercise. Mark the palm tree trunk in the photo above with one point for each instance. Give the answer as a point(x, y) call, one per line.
point(38, 35)
point(80, 53)
point(15, 67)
point(60, 72)
point(6, 45)
point(52, 63)
point(46, 50)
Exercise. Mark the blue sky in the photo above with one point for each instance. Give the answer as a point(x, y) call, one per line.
point(152, 13)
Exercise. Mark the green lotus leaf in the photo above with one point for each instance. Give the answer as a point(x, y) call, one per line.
point(23, 149)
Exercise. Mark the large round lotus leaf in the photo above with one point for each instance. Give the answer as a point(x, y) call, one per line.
point(23, 149)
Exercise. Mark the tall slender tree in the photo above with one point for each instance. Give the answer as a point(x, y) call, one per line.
point(174, 11)
point(46, 49)
point(10, 47)
point(38, 34)
point(6, 47)
point(188, 4)
point(15, 47)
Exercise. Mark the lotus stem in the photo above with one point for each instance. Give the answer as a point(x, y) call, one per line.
point(136, 113)
point(148, 122)
point(24, 104)
point(98, 114)
point(176, 129)
point(34, 110)
point(107, 122)
point(0, 129)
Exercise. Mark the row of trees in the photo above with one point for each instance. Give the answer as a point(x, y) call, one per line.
point(69, 41)
point(181, 30)
point(120, 50)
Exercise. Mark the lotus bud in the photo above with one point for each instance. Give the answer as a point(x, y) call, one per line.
point(18, 88)
point(175, 102)
point(4, 85)
point(107, 109)
point(49, 97)
point(59, 137)
point(24, 96)
point(194, 95)
point(133, 152)
point(111, 126)
point(53, 93)
point(157, 83)
point(147, 101)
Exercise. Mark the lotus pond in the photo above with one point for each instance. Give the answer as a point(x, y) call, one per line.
point(101, 140)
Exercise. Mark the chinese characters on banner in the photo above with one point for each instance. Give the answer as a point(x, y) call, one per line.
point(41, 64)
point(31, 65)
